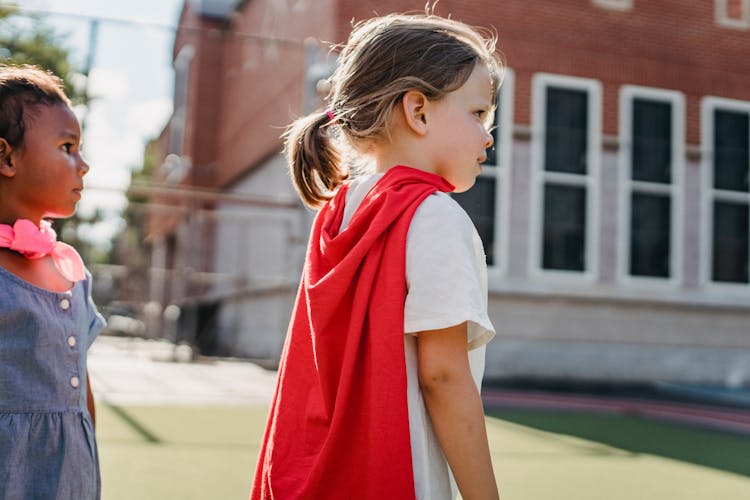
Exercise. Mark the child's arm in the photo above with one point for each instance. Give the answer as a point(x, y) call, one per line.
point(455, 408)
point(90, 399)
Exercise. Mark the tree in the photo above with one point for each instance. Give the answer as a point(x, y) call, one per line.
point(131, 247)
point(33, 42)
point(27, 39)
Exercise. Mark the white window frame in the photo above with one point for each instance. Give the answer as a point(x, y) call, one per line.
point(501, 173)
point(723, 19)
point(614, 4)
point(709, 104)
point(626, 186)
point(593, 88)
point(182, 75)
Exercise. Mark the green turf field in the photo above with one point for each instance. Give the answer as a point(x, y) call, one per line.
point(208, 453)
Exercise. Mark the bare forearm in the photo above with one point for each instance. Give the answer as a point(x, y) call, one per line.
point(455, 409)
point(90, 400)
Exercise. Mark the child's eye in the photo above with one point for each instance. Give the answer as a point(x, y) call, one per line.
point(67, 147)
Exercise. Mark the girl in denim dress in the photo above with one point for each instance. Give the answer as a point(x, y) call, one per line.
point(47, 318)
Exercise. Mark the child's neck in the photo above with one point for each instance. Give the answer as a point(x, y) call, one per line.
point(404, 151)
point(383, 164)
point(11, 212)
point(41, 273)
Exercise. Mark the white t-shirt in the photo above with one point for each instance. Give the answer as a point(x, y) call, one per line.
point(446, 278)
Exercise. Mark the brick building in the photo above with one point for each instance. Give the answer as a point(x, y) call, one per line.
point(614, 209)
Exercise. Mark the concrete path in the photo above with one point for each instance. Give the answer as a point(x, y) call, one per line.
point(138, 371)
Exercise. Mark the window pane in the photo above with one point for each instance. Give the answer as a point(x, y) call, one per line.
point(479, 203)
point(650, 226)
point(565, 134)
point(652, 141)
point(564, 227)
point(735, 9)
point(731, 158)
point(730, 242)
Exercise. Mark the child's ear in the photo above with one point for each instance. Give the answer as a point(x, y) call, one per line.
point(6, 162)
point(414, 105)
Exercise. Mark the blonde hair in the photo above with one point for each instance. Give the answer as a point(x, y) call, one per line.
point(384, 58)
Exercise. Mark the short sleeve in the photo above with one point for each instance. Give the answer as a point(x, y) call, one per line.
point(446, 274)
point(96, 321)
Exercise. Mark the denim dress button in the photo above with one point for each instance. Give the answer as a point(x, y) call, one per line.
point(74, 381)
point(71, 341)
point(64, 304)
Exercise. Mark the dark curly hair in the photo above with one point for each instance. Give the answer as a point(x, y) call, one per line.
point(22, 90)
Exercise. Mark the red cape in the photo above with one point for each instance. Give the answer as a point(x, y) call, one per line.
point(339, 426)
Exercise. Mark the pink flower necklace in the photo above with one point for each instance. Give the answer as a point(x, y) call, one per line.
point(35, 242)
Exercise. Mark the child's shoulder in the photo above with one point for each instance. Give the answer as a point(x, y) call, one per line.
point(15, 288)
point(442, 207)
point(440, 214)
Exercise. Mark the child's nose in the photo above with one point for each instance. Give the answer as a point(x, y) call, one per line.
point(489, 140)
point(83, 167)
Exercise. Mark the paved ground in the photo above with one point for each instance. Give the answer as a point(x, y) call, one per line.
point(136, 371)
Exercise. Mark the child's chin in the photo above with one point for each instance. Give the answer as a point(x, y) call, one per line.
point(462, 188)
point(61, 214)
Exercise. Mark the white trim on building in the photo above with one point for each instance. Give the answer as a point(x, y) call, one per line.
point(673, 190)
point(488, 203)
point(614, 4)
point(709, 195)
point(501, 171)
point(182, 75)
point(724, 18)
point(540, 177)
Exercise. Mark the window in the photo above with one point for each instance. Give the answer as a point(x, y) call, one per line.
point(487, 203)
point(726, 136)
point(566, 151)
point(733, 13)
point(181, 85)
point(614, 4)
point(652, 151)
point(564, 227)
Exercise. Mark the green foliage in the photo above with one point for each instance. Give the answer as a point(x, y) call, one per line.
point(28, 40)
point(132, 248)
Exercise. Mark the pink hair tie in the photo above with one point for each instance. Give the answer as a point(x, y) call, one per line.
point(331, 116)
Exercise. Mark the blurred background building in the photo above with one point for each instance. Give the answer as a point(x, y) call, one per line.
point(613, 208)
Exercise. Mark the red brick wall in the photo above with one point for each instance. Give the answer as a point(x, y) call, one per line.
point(244, 89)
point(261, 81)
point(669, 44)
point(202, 122)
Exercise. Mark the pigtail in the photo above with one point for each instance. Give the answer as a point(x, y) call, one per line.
point(314, 160)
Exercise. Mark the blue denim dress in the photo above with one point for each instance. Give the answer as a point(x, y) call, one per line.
point(47, 442)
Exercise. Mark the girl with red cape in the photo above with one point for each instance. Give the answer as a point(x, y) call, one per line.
point(378, 387)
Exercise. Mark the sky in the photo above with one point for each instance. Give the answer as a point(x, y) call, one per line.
point(131, 81)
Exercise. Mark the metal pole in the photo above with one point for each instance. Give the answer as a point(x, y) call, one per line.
point(90, 58)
